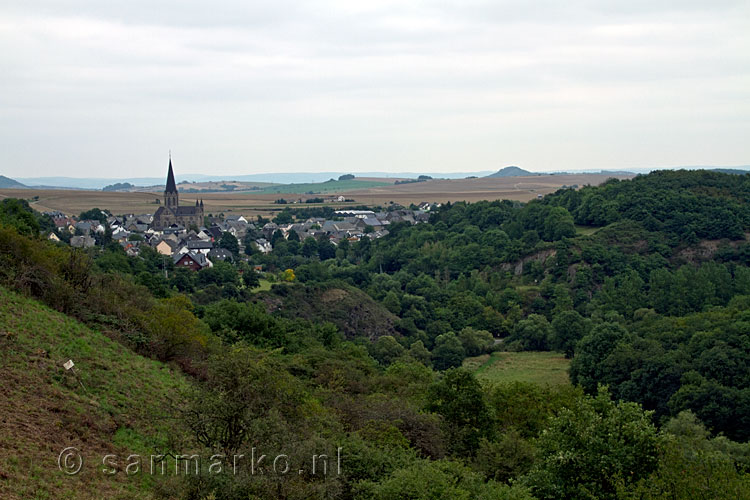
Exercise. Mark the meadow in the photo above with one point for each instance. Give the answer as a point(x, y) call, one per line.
point(545, 368)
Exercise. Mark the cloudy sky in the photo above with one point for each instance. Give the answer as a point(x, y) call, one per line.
point(106, 89)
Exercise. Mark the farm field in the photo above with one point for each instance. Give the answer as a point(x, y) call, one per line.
point(325, 187)
point(255, 203)
point(545, 368)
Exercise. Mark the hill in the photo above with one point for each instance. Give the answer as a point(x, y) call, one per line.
point(117, 406)
point(512, 172)
point(351, 310)
point(8, 183)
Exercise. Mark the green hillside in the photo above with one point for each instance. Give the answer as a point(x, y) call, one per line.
point(120, 408)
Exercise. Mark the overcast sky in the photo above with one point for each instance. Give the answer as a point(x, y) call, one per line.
point(106, 89)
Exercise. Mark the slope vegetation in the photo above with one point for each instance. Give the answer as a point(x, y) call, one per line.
point(116, 402)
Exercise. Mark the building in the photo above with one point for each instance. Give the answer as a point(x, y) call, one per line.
point(191, 260)
point(85, 241)
point(171, 213)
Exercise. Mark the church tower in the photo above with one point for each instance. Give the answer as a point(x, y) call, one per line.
point(170, 193)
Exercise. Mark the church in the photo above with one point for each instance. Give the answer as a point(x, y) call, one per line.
point(172, 213)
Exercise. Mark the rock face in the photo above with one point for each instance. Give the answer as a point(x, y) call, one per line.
point(517, 267)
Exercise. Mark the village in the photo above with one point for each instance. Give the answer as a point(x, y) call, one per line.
point(198, 247)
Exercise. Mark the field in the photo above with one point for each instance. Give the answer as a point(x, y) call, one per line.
point(546, 368)
point(254, 203)
point(325, 187)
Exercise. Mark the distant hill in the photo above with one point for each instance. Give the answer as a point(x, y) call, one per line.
point(7, 183)
point(512, 172)
point(734, 171)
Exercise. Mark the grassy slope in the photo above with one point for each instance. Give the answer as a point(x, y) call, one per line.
point(44, 409)
point(324, 187)
point(547, 368)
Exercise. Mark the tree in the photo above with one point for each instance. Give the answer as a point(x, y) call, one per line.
point(326, 250)
point(448, 351)
point(592, 448)
point(386, 350)
point(174, 330)
point(249, 243)
point(438, 479)
point(533, 333)
point(568, 328)
point(587, 368)
point(309, 247)
point(475, 342)
point(346, 177)
point(285, 217)
point(276, 237)
point(19, 215)
point(420, 353)
point(94, 214)
point(229, 242)
point(243, 387)
point(392, 302)
point(458, 397)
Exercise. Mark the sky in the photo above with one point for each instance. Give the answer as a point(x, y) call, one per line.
point(106, 89)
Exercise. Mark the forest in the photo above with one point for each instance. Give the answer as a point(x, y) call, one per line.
point(643, 284)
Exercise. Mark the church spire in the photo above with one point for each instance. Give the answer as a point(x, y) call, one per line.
point(171, 187)
point(171, 198)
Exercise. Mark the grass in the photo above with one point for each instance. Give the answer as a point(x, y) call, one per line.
point(263, 286)
point(546, 368)
point(586, 230)
point(115, 402)
point(324, 187)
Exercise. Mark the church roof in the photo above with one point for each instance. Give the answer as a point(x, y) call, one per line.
point(188, 210)
point(171, 187)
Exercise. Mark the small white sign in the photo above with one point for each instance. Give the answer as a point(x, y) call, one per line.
point(68, 364)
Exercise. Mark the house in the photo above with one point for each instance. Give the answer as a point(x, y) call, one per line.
point(61, 221)
point(85, 241)
point(136, 227)
point(421, 216)
point(201, 246)
point(332, 226)
point(83, 226)
point(165, 247)
point(269, 229)
point(53, 237)
point(372, 222)
point(235, 218)
point(174, 229)
point(120, 234)
point(214, 232)
point(220, 254)
point(360, 214)
point(131, 248)
point(191, 260)
point(263, 245)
